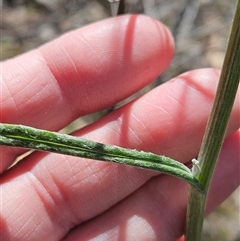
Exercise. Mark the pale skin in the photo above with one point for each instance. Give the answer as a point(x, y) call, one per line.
point(56, 197)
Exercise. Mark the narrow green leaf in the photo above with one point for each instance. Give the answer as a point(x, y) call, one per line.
point(28, 137)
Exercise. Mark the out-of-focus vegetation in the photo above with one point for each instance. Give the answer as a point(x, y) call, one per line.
point(200, 29)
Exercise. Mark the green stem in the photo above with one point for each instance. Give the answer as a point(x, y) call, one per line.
point(28, 137)
point(216, 129)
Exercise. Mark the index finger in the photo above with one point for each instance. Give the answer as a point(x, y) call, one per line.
point(83, 71)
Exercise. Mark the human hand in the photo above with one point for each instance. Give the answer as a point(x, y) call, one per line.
point(55, 197)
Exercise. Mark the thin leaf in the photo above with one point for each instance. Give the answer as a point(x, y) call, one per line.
point(28, 137)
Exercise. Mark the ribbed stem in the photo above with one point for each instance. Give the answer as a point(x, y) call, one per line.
point(216, 129)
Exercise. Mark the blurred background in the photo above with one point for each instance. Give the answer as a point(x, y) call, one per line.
point(200, 29)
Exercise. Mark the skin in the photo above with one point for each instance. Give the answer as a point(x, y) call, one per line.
point(55, 197)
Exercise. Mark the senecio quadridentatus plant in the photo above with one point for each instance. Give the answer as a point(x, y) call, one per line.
point(198, 176)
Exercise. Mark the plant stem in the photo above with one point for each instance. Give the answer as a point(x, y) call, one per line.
point(28, 137)
point(216, 129)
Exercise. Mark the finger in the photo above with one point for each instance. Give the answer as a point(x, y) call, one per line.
point(156, 121)
point(164, 121)
point(157, 210)
point(81, 72)
point(226, 177)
